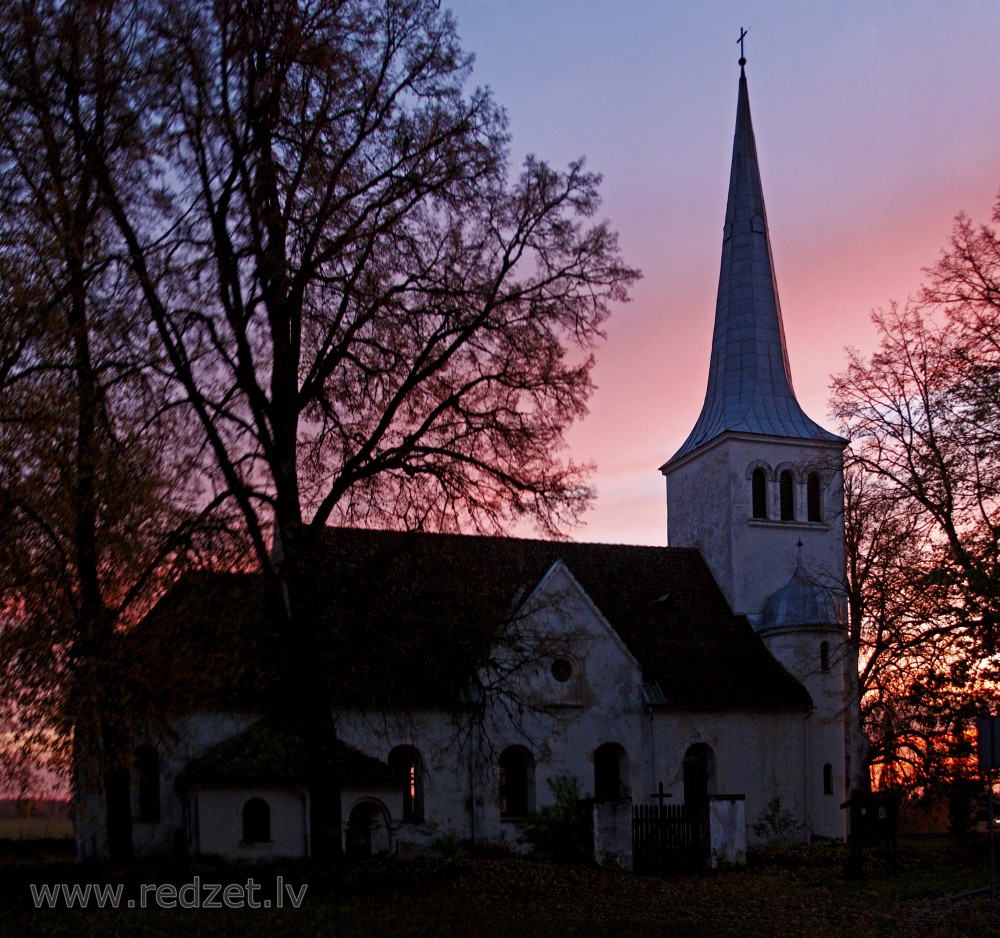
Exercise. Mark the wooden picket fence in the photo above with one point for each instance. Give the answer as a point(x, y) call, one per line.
point(668, 837)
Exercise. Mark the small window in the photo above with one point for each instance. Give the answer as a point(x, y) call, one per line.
point(407, 766)
point(828, 779)
point(758, 486)
point(824, 656)
point(147, 767)
point(517, 782)
point(786, 490)
point(256, 822)
point(813, 504)
point(562, 669)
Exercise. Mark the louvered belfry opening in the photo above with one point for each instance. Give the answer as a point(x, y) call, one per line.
point(813, 508)
point(758, 483)
point(786, 491)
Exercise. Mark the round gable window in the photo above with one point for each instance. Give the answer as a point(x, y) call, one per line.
point(562, 670)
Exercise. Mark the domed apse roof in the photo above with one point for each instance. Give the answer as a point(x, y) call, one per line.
point(801, 601)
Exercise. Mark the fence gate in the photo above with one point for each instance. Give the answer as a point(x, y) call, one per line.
point(668, 837)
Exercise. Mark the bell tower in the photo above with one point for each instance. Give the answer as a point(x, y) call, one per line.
point(756, 475)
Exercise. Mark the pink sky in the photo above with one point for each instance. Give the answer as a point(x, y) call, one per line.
point(875, 125)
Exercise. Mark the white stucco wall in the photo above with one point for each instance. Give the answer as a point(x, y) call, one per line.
point(441, 738)
point(798, 648)
point(758, 755)
point(560, 723)
point(727, 829)
point(709, 507)
point(192, 736)
point(217, 818)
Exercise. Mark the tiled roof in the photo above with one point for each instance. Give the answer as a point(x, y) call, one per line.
point(749, 380)
point(271, 752)
point(409, 617)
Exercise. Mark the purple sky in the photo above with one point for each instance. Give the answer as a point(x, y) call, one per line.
point(875, 122)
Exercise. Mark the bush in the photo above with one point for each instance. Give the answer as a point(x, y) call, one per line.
point(554, 831)
point(777, 825)
point(446, 845)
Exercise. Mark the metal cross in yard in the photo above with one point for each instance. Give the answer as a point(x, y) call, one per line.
point(660, 795)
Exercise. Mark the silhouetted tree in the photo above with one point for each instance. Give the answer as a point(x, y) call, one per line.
point(94, 497)
point(923, 520)
point(371, 323)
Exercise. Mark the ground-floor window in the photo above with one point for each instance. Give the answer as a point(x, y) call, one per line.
point(610, 772)
point(517, 782)
point(407, 766)
point(256, 822)
point(699, 775)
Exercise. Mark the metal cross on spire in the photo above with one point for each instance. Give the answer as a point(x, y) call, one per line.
point(743, 33)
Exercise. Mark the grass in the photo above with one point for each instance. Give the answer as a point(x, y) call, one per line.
point(35, 828)
point(783, 892)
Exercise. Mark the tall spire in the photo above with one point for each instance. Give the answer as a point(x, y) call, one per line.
point(749, 380)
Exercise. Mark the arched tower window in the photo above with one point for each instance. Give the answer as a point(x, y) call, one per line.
point(824, 656)
point(786, 492)
point(517, 782)
point(827, 779)
point(147, 768)
point(256, 821)
point(407, 766)
point(813, 503)
point(610, 773)
point(758, 492)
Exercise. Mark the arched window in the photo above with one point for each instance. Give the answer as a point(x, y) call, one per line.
point(786, 491)
point(408, 768)
point(147, 769)
point(256, 822)
point(828, 779)
point(610, 773)
point(824, 656)
point(517, 782)
point(699, 776)
point(758, 492)
point(813, 504)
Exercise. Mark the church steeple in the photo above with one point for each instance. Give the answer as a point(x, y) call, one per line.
point(749, 381)
point(756, 475)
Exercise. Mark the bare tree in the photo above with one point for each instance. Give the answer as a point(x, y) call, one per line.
point(95, 504)
point(370, 322)
point(923, 520)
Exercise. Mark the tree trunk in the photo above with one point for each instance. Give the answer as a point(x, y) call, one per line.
point(858, 775)
point(314, 703)
point(118, 795)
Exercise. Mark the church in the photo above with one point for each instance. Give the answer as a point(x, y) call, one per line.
point(479, 673)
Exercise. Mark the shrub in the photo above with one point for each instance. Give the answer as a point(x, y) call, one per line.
point(554, 830)
point(777, 825)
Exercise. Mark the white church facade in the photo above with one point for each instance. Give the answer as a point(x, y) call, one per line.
point(487, 668)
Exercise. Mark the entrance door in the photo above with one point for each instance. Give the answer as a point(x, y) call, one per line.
point(367, 831)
